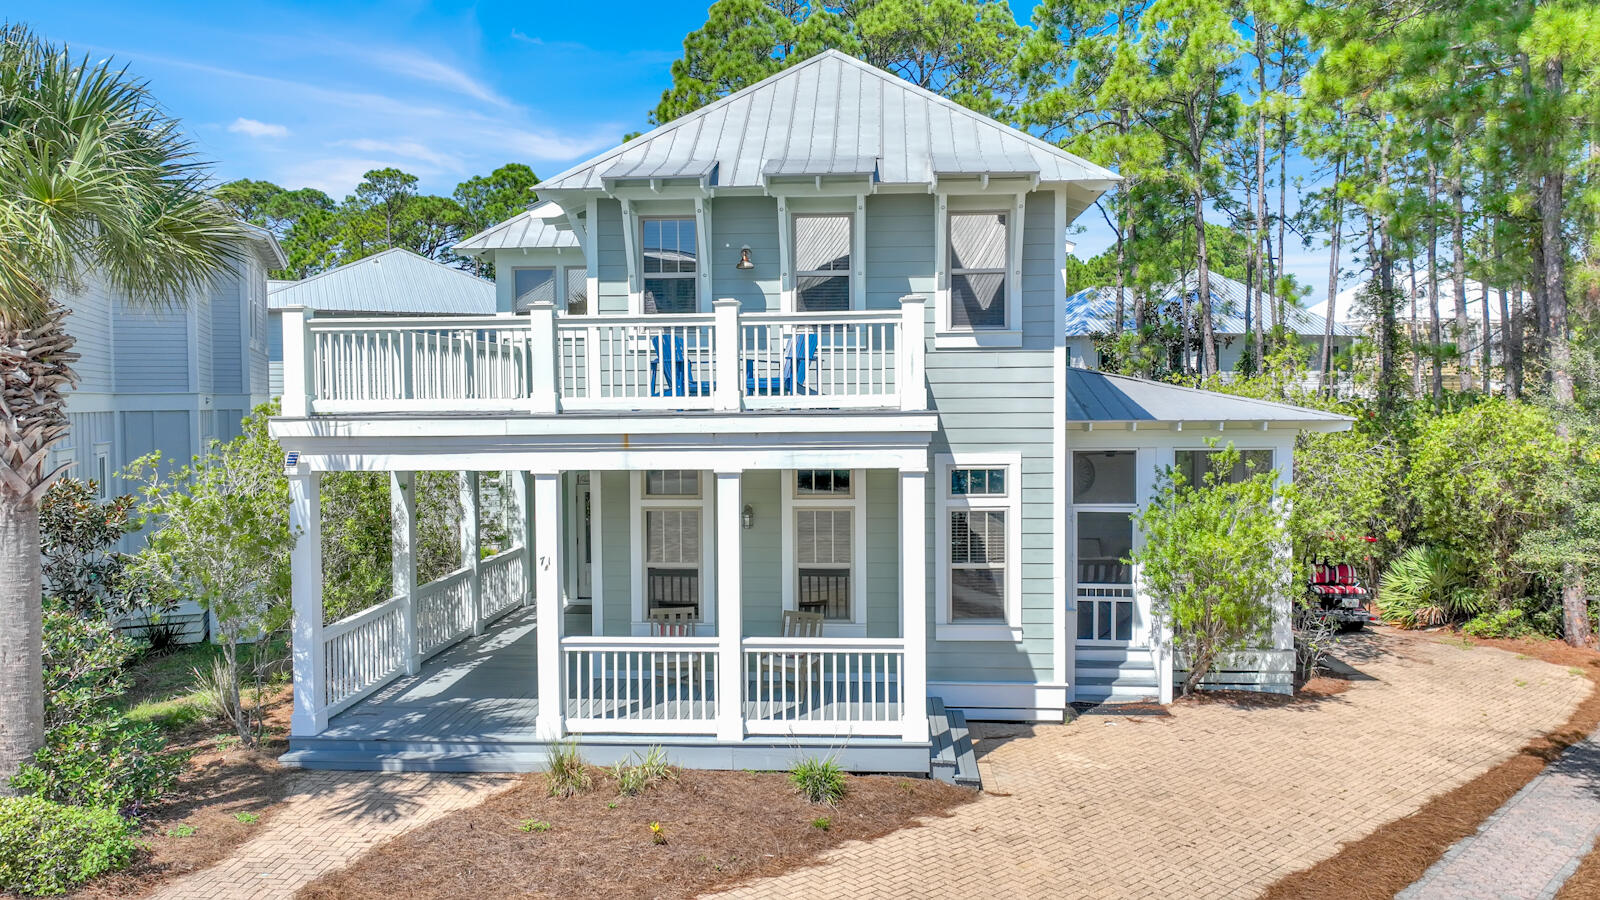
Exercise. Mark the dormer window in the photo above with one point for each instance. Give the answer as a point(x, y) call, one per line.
point(978, 267)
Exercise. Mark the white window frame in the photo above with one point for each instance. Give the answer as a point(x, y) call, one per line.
point(102, 463)
point(1009, 631)
point(945, 336)
point(705, 503)
point(792, 502)
point(1243, 449)
point(517, 305)
point(1140, 634)
point(700, 262)
point(849, 273)
point(791, 208)
point(564, 283)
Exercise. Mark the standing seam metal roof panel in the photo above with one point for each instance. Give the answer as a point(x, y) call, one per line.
point(1094, 396)
point(394, 281)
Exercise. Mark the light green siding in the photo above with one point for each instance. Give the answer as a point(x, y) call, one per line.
point(735, 223)
point(615, 560)
point(883, 553)
point(899, 248)
point(763, 555)
point(612, 258)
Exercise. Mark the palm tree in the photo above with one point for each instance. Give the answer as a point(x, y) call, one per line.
point(94, 176)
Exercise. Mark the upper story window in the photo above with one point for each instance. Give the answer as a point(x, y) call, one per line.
point(822, 262)
point(577, 291)
point(822, 483)
point(978, 267)
point(533, 285)
point(672, 483)
point(669, 265)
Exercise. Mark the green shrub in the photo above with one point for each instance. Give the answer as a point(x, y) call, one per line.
point(566, 774)
point(105, 760)
point(1500, 623)
point(637, 773)
point(1427, 586)
point(819, 780)
point(50, 848)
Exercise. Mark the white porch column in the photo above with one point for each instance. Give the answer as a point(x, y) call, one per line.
point(914, 600)
point(730, 608)
point(913, 352)
point(726, 390)
point(543, 397)
point(547, 602)
point(305, 572)
point(297, 363)
point(471, 541)
point(522, 484)
point(403, 558)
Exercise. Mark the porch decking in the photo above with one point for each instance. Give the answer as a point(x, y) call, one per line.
point(473, 707)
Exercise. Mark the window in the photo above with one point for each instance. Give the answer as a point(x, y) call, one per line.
point(824, 542)
point(1104, 476)
point(669, 265)
point(102, 471)
point(577, 291)
point(822, 263)
point(1105, 541)
point(980, 580)
point(978, 271)
point(672, 559)
point(978, 482)
point(1194, 464)
point(822, 483)
point(533, 286)
point(672, 483)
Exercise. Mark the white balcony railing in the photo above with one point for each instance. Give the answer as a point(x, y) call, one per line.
point(539, 363)
point(815, 686)
point(640, 685)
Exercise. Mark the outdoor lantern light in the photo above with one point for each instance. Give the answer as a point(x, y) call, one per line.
point(749, 517)
point(745, 263)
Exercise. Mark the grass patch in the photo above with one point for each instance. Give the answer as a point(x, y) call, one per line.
point(819, 780)
point(246, 818)
point(533, 826)
point(822, 822)
point(566, 774)
point(181, 831)
point(639, 772)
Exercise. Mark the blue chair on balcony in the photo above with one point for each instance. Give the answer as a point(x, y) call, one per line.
point(671, 370)
point(799, 352)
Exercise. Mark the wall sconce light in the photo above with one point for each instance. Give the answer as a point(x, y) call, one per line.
point(748, 517)
point(744, 259)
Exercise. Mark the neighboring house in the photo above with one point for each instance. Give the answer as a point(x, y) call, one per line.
point(396, 282)
point(168, 379)
point(1092, 312)
point(809, 473)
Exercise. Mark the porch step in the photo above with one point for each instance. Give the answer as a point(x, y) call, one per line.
point(416, 760)
point(952, 759)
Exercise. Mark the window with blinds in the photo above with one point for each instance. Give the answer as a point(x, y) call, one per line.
point(672, 483)
point(822, 263)
point(978, 271)
point(672, 558)
point(824, 547)
point(977, 565)
point(669, 264)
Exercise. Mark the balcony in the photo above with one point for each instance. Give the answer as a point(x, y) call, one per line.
point(544, 364)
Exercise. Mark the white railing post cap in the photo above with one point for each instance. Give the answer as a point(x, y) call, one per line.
point(725, 302)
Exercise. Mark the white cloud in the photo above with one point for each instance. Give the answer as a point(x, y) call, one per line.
point(403, 148)
point(256, 129)
point(425, 68)
point(335, 176)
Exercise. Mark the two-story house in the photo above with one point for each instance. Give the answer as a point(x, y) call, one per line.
point(784, 388)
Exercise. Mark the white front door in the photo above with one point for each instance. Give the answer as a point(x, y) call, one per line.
point(583, 512)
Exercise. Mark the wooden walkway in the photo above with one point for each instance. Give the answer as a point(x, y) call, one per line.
point(482, 689)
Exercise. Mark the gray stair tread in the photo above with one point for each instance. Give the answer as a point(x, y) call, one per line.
point(966, 757)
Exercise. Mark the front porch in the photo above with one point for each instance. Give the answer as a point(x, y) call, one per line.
point(474, 707)
point(638, 607)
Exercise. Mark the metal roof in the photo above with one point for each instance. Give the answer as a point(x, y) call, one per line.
point(826, 116)
point(394, 281)
point(1094, 396)
point(527, 230)
point(1092, 310)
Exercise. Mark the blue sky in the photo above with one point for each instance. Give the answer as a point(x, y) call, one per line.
point(315, 94)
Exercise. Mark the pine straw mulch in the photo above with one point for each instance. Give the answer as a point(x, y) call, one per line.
point(1390, 859)
point(720, 828)
point(221, 780)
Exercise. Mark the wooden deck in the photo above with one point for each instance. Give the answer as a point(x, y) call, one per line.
point(480, 690)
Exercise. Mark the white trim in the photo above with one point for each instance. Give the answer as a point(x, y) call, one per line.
point(631, 250)
point(1004, 701)
point(707, 574)
point(590, 257)
point(790, 503)
point(597, 599)
point(945, 336)
point(102, 463)
point(702, 273)
point(790, 207)
point(1062, 657)
point(1011, 504)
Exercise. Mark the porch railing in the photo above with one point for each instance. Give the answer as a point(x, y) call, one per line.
point(539, 363)
point(640, 685)
point(815, 686)
point(444, 612)
point(362, 652)
point(504, 584)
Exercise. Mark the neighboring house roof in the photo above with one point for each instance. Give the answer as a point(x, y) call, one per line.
point(1347, 310)
point(535, 228)
point(1093, 310)
point(266, 246)
point(394, 281)
point(830, 115)
point(1094, 396)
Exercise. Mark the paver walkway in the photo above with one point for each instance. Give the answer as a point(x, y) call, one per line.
point(1215, 801)
point(1532, 844)
point(332, 817)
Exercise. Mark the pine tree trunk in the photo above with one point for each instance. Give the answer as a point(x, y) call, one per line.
point(1261, 290)
point(1435, 343)
point(1333, 275)
point(22, 649)
point(1459, 265)
point(1412, 331)
point(1208, 336)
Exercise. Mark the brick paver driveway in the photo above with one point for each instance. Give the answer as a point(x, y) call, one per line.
point(1215, 801)
point(330, 819)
